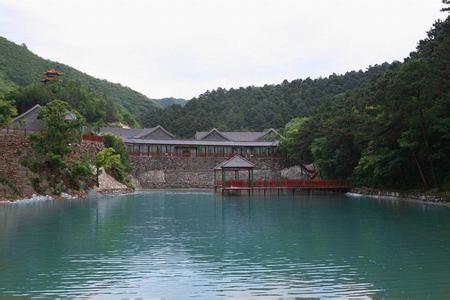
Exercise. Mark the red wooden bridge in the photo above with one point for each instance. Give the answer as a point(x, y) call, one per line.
point(246, 185)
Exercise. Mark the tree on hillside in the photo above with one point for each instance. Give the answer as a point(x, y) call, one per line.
point(7, 111)
point(112, 163)
point(48, 157)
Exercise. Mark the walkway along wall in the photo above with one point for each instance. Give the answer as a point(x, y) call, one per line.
point(192, 172)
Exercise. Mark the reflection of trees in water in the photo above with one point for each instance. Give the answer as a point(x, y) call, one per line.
point(45, 238)
point(321, 237)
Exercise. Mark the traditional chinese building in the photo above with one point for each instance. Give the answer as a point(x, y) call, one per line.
point(157, 141)
point(28, 120)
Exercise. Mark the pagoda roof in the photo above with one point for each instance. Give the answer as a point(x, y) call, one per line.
point(53, 71)
point(236, 162)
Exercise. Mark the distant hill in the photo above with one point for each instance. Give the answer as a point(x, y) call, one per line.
point(19, 66)
point(165, 102)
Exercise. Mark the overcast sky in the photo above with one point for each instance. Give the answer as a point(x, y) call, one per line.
point(182, 48)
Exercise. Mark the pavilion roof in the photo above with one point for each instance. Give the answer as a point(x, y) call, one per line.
point(236, 162)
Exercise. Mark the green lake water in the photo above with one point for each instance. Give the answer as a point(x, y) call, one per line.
point(195, 244)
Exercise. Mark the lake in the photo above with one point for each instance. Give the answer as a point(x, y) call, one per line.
point(197, 244)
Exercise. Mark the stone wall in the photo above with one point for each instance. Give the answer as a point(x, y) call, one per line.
point(193, 172)
point(12, 145)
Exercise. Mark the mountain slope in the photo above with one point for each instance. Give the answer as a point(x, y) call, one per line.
point(22, 67)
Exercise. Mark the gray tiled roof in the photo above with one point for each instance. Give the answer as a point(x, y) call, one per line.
point(143, 136)
point(136, 133)
point(238, 136)
point(236, 161)
point(200, 143)
point(28, 120)
point(124, 132)
point(158, 131)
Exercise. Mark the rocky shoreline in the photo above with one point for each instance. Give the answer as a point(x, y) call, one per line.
point(111, 186)
point(427, 197)
point(107, 185)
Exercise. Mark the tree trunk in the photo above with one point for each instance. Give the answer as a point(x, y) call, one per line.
point(427, 145)
point(425, 183)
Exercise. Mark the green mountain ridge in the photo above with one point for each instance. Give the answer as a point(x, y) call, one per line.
point(20, 67)
point(165, 102)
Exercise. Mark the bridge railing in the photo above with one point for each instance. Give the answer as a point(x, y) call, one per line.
point(316, 184)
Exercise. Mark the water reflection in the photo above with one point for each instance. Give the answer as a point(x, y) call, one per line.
point(172, 244)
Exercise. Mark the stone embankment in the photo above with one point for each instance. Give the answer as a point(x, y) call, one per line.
point(438, 198)
point(193, 172)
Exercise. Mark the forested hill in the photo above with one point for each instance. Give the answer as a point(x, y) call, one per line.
point(257, 108)
point(20, 67)
point(393, 132)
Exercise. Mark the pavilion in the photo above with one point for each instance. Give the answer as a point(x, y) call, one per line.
point(235, 164)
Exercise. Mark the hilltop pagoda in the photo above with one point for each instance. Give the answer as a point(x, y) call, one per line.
point(51, 74)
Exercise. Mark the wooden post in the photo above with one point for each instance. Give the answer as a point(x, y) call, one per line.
point(250, 179)
point(223, 180)
point(215, 181)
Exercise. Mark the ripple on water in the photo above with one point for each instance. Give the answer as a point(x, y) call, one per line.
point(174, 244)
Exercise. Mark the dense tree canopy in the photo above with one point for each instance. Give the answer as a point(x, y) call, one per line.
point(256, 108)
point(7, 111)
